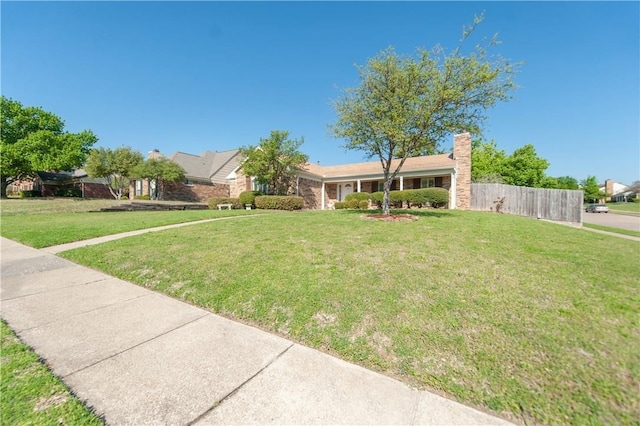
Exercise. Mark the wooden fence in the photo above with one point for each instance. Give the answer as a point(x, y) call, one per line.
point(553, 204)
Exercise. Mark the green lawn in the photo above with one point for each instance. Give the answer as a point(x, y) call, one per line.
point(624, 207)
point(43, 229)
point(611, 229)
point(30, 394)
point(523, 317)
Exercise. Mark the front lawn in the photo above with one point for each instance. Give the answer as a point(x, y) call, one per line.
point(624, 207)
point(44, 229)
point(29, 392)
point(522, 317)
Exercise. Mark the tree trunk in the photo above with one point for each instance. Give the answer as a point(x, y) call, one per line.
point(4, 184)
point(386, 197)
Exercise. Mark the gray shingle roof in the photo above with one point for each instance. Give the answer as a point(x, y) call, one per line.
point(208, 166)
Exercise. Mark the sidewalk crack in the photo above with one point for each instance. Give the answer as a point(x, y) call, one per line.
point(230, 394)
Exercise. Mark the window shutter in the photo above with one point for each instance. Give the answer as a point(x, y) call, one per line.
point(416, 183)
point(439, 181)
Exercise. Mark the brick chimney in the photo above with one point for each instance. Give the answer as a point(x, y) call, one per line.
point(462, 155)
point(608, 188)
point(155, 154)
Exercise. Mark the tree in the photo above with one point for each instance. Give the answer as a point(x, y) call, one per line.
point(525, 168)
point(567, 182)
point(487, 162)
point(275, 161)
point(116, 166)
point(33, 140)
point(406, 106)
point(160, 171)
point(591, 189)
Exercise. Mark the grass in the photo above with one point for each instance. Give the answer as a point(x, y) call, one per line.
point(612, 229)
point(518, 316)
point(10, 206)
point(30, 394)
point(624, 207)
point(32, 224)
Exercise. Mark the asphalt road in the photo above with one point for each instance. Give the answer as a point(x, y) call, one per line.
point(614, 220)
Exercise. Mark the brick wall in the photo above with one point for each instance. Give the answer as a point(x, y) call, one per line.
point(196, 192)
point(311, 192)
point(95, 190)
point(240, 184)
point(462, 155)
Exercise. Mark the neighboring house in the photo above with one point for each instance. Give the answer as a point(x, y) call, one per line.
point(322, 186)
point(47, 183)
point(615, 191)
point(205, 176)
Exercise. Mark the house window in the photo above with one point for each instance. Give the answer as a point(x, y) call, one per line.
point(262, 187)
point(138, 187)
point(188, 182)
point(380, 186)
point(427, 183)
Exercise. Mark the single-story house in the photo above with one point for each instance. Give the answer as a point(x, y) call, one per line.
point(205, 176)
point(322, 186)
point(48, 183)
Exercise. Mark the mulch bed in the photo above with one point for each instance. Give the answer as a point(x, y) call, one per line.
point(391, 217)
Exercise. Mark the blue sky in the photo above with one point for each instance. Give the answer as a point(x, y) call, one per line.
point(196, 76)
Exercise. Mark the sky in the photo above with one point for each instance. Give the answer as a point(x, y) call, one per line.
point(198, 76)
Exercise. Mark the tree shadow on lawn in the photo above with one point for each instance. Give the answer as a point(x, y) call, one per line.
point(415, 212)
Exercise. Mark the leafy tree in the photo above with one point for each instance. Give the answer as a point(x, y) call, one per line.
point(525, 168)
point(567, 182)
point(591, 189)
point(161, 171)
point(406, 105)
point(275, 161)
point(487, 162)
point(33, 140)
point(116, 166)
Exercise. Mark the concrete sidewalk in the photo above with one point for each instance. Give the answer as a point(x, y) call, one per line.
point(141, 358)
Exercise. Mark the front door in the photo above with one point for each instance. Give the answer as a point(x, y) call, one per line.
point(344, 189)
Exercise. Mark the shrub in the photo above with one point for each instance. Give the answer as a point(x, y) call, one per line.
point(30, 194)
point(142, 197)
point(377, 197)
point(438, 197)
point(213, 202)
point(358, 196)
point(279, 202)
point(352, 204)
point(68, 192)
point(339, 205)
point(249, 197)
point(363, 204)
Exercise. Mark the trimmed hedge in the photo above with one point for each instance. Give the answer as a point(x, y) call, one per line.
point(249, 197)
point(213, 202)
point(30, 194)
point(358, 196)
point(279, 202)
point(352, 204)
point(142, 197)
point(434, 197)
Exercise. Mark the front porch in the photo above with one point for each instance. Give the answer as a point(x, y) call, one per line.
point(334, 190)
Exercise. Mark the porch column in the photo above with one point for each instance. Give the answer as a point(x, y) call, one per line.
point(401, 183)
point(452, 191)
point(359, 186)
point(322, 197)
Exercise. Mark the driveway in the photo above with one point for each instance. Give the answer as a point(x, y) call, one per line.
point(613, 220)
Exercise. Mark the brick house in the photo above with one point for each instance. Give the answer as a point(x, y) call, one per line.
point(48, 183)
point(322, 186)
point(205, 176)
